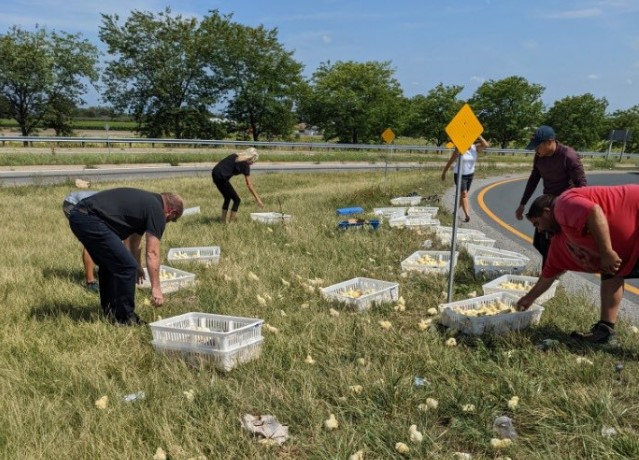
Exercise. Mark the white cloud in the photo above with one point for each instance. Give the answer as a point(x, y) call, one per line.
point(327, 39)
point(477, 79)
point(575, 14)
point(592, 76)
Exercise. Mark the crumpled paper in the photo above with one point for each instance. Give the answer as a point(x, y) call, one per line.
point(265, 426)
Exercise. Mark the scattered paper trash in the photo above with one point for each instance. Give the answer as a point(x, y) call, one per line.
point(265, 426)
point(134, 396)
point(503, 426)
point(420, 381)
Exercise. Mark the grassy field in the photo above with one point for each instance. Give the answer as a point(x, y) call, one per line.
point(58, 356)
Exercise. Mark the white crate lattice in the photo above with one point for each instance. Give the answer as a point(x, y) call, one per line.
point(373, 291)
point(441, 265)
point(222, 360)
point(497, 266)
point(201, 254)
point(179, 280)
point(527, 282)
point(406, 200)
point(271, 217)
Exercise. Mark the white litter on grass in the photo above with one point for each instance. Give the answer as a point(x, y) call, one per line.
point(331, 422)
point(265, 426)
point(159, 454)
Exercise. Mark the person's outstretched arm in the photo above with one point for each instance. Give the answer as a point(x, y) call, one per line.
point(249, 185)
point(451, 160)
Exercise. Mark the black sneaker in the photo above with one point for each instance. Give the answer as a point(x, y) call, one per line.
point(599, 333)
point(134, 320)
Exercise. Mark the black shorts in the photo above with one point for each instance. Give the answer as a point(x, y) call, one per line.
point(634, 273)
point(467, 179)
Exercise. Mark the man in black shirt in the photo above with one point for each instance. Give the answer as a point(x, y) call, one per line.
point(102, 221)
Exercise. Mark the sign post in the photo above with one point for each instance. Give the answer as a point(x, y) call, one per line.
point(463, 130)
point(388, 136)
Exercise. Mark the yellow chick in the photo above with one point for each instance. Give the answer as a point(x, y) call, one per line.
point(432, 403)
point(271, 329)
point(283, 313)
point(189, 395)
point(500, 443)
point(582, 360)
point(331, 422)
point(386, 325)
point(462, 456)
point(261, 300)
point(252, 276)
point(333, 312)
point(147, 302)
point(304, 305)
point(424, 324)
point(468, 408)
point(634, 329)
point(361, 361)
point(309, 360)
point(451, 342)
point(102, 403)
point(285, 283)
point(513, 402)
point(159, 454)
point(432, 311)
point(402, 448)
point(359, 455)
point(399, 307)
point(227, 278)
point(415, 436)
point(357, 389)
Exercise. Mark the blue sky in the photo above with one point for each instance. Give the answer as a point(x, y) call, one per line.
point(570, 47)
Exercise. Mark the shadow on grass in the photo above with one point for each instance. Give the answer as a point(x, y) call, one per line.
point(75, 275)
point(58, 309)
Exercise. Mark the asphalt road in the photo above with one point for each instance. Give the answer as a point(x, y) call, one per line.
point(495, 203)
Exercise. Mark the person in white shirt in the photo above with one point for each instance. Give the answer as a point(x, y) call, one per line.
point(468, 170)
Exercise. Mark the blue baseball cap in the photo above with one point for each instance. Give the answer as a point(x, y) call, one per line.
point(543, 133)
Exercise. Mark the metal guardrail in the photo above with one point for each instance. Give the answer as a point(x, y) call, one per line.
point(392, 148)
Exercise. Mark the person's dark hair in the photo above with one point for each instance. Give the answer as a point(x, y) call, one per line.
point(537, 207)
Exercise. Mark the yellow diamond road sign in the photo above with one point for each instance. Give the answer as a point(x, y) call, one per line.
point(464, 128)
point(388, 135)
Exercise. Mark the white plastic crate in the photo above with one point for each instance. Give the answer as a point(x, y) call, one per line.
point(421, 221)
point(466, 240)
point(448, 231)
point(406, 200)
point(206, 330)
point(390, 212)
point(191, 211)
point(171, 279)
point(452, 315)
point(481, 250)
point(201, 254)
point(397, 221)
point(369, 291)
point(421, 210)
point(519, 285)
point(496, 266)
point(271, 217)
point(420, 261)
point(222, 360)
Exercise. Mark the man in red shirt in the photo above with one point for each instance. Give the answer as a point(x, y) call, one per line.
point(596, 230)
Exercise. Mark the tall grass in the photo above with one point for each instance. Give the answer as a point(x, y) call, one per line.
point(57, 356)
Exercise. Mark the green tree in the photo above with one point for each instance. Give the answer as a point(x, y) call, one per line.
point(430, 114)
point(579, 121)
point(161, 73)
point(353, 102)
point(59, 116)
point(40, 69)
point(627, 119)
point(508, 109)
point(262, 79)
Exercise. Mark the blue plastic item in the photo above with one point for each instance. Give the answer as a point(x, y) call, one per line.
point(347, 211)
point(359, 224)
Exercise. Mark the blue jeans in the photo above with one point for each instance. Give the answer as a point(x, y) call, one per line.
point(117, 268)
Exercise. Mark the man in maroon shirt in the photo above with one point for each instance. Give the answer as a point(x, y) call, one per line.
point(560, 168)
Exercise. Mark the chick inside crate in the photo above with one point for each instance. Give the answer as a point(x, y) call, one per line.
point(497, 266)
point(489, 314)
point(429, 261)
point(519, 285)
point(200, 357)
point(362, 292)
point(201, 254)
point(482, 250)
point(207, 331)
point(271, 217)
point(171, 279)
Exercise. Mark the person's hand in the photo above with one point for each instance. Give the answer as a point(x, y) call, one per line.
point(260, 203)
point(519, 213)
point(156, 297)
point(524, 303)
point(443, 176)
point(610, 262)
point(141, 276)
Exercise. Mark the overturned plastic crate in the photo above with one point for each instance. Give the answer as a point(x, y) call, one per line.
point(446, 232)
point(466, 240)
point(359, 224)
point(519, 285)
point(207, 330)
point(223, 360)
point(421, 210)
point(421, 221)
point(171, 279)
point(390, 212)
point(362, 292)
point(406, 200)
point(201, 254)
point(481, 250)
point(191, 211)
point(492, 266)
point(270, 218)
point(489, 314)
point(429, 262)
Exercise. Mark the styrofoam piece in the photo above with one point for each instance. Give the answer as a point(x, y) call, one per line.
point(271, 217)
point(429, 261)
point(191, 211)
point(171, 279)
point(368, 291)
point(452, 315)
point(201, 254)
point(207, 330)
point(519, 285)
